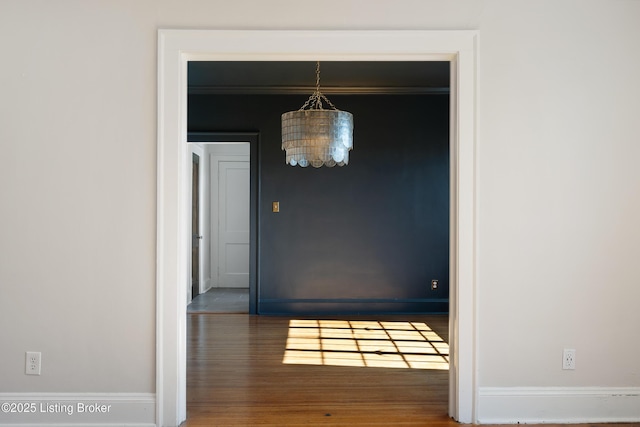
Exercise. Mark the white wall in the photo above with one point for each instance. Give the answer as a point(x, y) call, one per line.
point(205, 223)
point(558, 191)
point(205, 219)
point(558, 199)
point(77, 186)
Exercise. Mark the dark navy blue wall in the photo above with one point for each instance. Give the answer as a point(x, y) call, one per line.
point(365, 238)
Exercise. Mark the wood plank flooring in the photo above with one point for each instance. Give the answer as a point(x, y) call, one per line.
point(236, 375)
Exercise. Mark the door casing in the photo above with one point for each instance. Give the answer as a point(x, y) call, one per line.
point(177, 47)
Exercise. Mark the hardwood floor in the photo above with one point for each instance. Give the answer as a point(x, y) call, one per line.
point(259, 370)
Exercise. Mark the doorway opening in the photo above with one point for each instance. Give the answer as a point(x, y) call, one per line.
point(220, 227)
point(416, 215)
point(227, 243)
point(177, 47)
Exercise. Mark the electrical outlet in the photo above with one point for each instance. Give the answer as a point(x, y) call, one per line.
point(33, 359)
point(569, 359)
point(434, 284)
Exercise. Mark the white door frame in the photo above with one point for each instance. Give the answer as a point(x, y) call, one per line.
point(177, 47)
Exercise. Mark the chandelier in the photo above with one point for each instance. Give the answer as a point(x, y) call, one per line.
point(316, 136)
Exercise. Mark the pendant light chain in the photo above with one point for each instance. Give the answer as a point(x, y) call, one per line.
point(318, 76)
point(315, 100)
point(317, 93)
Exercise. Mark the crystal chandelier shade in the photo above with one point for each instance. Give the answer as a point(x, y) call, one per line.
point(317, 136)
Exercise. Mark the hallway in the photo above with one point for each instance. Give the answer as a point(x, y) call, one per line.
point(221, 300)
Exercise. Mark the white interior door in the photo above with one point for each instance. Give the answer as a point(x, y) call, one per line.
point(233, 224)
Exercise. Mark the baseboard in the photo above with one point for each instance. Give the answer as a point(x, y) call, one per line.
point(511, 405)
point(78, 409)
point(207, 285)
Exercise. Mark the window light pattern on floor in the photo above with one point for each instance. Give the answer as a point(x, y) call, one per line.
point(365, 343)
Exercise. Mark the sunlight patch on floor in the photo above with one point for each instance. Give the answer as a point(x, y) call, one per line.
point(386, 344)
